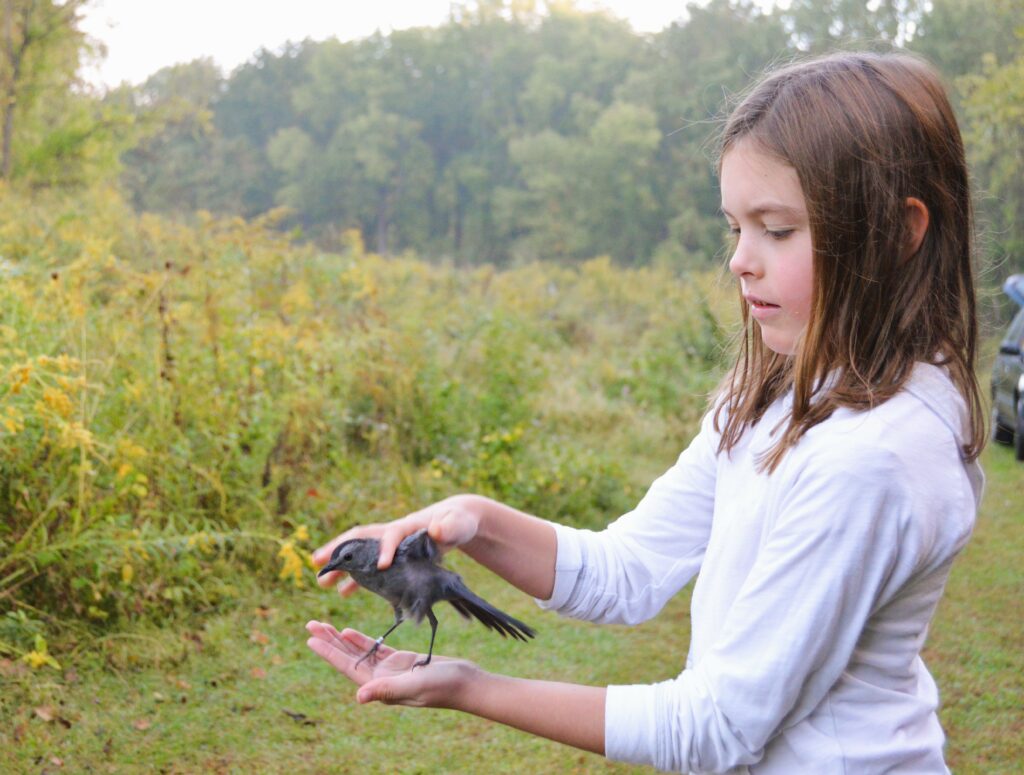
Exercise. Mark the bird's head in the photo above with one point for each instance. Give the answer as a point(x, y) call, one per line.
point(356, 554)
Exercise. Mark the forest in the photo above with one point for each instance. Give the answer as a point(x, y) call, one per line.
point(517, 131)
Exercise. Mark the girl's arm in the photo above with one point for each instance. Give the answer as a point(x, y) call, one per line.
point(517, 546)
point(567, 713)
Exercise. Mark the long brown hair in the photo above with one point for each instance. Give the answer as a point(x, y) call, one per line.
point(864, 132)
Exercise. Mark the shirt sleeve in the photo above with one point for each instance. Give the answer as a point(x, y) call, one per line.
point(825, 566)
point(626, 573)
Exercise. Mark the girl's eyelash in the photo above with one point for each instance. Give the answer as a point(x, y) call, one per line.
point(777, 234)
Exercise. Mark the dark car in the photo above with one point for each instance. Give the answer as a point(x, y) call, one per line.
point(1008, 377)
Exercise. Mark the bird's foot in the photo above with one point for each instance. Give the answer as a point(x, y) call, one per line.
point(421, 663)
point(372, 653)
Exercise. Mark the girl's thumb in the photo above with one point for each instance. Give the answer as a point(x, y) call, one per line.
point(376, 691)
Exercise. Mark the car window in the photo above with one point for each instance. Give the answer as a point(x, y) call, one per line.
point(1015, 333)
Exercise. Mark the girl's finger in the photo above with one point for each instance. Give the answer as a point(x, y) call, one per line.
point(328, 633)
point(390, 539)
point(347, 587)
point(363, 643)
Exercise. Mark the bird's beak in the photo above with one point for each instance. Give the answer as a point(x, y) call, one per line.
point(332, 565)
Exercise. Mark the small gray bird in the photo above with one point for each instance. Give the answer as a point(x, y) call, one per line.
point(413, 583)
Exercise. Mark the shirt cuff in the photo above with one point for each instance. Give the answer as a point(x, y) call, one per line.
point(630, 726)
point(568, 563)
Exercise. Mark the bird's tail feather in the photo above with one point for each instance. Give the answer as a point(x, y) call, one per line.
point(472, 606)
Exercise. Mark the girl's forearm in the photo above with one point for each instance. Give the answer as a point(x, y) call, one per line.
point(567, 713)
point(517, 546)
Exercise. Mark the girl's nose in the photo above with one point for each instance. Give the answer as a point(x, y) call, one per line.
point(743, 262)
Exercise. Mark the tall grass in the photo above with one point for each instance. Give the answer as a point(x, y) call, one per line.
point(185, 406)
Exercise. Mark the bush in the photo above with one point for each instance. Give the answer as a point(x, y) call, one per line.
point(188, 408)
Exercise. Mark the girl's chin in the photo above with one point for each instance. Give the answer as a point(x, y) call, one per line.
point(781, 343)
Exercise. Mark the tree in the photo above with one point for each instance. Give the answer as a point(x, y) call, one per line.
point(42, 47)
point(823, 25)
point(994, 117)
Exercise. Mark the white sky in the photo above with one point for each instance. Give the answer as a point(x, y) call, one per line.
point(144, 35)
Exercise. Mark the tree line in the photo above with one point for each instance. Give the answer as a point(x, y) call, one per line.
point(516, 131)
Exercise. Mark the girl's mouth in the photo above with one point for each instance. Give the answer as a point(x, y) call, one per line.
point(762, 310)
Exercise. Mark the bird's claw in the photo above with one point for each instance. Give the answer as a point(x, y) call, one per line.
point(421, 663)
point(371, 654)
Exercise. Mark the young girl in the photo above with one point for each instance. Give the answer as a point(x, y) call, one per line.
point(832, 482)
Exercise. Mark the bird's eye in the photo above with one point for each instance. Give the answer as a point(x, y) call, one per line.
point(347, 557)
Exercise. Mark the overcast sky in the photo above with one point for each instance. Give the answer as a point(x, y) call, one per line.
point(144, 35)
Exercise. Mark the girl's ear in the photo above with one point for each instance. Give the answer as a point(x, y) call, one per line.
point(918, 219)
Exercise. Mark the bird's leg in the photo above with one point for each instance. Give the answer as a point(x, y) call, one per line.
point(376, 645)
point(433, 632)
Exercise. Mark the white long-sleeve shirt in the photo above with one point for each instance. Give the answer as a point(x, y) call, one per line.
point(817, 584)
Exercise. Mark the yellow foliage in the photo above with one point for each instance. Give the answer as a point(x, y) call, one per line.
point(58, 401)
point(291, 563)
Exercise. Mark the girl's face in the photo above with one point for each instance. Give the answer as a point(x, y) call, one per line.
point(764, 205)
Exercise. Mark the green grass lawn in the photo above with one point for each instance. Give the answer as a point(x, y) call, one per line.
point(241, 693)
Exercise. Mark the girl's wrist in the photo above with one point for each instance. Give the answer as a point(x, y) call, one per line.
point(470, 689)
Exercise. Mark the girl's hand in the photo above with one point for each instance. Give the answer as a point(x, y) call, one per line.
point(389, 678)
point(451, 522)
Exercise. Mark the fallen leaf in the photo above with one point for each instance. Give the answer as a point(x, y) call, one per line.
point(142, 724)
point(264, 611)
point(56, 761)
point(258, 673)
point(10, 669)
point(259, 637)
point(46, 713)
point(71, 676)
point(195, 637)
point(181, 683)
point(300, 718)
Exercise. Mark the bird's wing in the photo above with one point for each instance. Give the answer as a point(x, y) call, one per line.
point(418, 546)
point(455, 591)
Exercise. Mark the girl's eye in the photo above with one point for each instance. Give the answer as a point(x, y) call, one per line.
point(779, 234)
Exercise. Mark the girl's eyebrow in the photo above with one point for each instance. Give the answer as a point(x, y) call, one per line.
point(770, 208)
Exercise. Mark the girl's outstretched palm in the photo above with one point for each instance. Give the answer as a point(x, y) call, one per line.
point(389, 677)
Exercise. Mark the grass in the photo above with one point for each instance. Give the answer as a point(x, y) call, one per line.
point(241, 693)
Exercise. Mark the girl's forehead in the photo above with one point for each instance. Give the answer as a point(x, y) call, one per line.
point(754, 182)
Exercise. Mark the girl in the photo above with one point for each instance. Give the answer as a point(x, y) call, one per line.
point(832, 482)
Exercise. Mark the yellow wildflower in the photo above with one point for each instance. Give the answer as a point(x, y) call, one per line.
point(291, 563)
point(19, 376)
point(40, 655)
point(301, 533)
point(36, 660)
point(127, 574)
point(58, 401)
point(128, 449)
point(203, 541)
point(74, 434)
